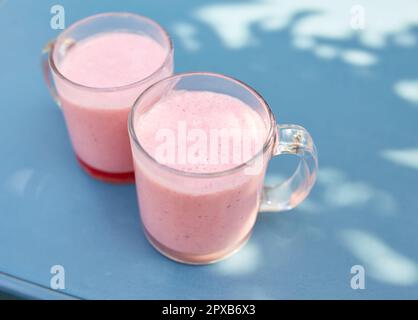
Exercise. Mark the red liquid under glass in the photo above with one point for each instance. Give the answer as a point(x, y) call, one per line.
point(122, 178)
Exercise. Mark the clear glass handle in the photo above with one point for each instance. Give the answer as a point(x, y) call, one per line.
point(292, 139)
point(47, 71)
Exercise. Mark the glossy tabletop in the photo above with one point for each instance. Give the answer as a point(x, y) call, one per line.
point(355, 87)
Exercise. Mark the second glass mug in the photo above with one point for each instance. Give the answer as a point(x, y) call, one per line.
point(96, 116)
point(203, 217)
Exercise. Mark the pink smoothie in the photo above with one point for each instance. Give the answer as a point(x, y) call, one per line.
point(96, 117)
point(190, 218)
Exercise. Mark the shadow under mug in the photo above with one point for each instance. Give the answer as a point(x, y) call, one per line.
point(96, 117)
point(200, 218)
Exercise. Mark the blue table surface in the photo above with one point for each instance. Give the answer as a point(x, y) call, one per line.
point(356, 92)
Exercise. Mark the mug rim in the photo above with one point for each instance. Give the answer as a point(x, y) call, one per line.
point(270, 138)
point(76, 24)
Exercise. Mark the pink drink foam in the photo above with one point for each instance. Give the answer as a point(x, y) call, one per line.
point(197, 219)
point(97, 120)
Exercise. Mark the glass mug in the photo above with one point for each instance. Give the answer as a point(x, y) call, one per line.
point(202, 217)
point(96, 116)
